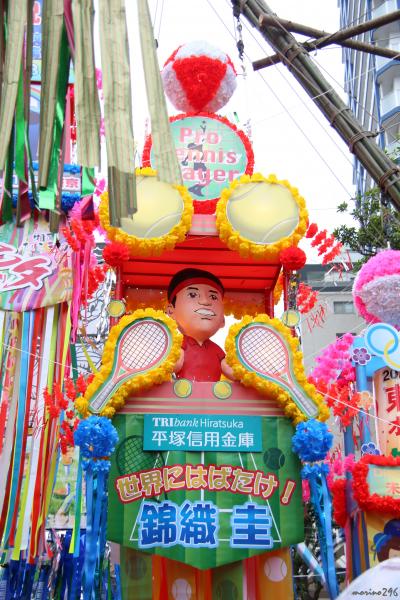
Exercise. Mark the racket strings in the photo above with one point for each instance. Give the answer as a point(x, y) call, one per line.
point(264, 351)
point(142, 345)
point(131, 457)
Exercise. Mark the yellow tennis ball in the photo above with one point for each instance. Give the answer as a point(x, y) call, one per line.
point(222, 390)
point(263, 213)
point(159, 209)
point(182, 388)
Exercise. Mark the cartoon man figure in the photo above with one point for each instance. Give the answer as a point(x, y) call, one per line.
point(196, 304)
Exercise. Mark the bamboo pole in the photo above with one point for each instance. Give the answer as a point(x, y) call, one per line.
point(381, 168)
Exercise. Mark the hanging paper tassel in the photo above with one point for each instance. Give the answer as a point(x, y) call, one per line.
point(312, 442)
point(97, 439)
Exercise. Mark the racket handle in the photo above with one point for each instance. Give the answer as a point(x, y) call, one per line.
point(306, 403)
point(101, 395)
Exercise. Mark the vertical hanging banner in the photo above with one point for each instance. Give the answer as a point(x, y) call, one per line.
point(207, 495)
point(34, 271)
point(387, 394)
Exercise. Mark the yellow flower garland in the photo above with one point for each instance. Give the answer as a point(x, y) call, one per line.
point(267, 388)
point(245, 247)
point(150, 246)
point(140, 382)
point(278, 289)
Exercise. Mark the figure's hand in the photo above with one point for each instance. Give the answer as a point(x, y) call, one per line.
point(179, 363)
point(227, 370)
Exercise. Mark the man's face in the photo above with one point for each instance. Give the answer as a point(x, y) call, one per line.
point(198, 311)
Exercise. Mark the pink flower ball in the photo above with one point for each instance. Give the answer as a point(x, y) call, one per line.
point(376, 289)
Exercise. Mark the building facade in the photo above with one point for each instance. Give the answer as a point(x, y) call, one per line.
point(335, 313)
point(373, 82)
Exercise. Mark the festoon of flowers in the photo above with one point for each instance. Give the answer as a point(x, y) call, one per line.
point(268, 388)
point(142, 381)
point(149, 246)
point(245, 247)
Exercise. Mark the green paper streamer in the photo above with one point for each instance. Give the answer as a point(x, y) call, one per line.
point(88, 184)
point(52, 35)
point(47, 195)
point(20, 127)
point(6, 209)
point(17, 10)
point(168, 168)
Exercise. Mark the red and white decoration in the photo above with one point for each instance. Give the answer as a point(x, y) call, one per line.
point(199, 77)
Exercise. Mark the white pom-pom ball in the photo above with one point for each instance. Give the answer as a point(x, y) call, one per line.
point(198, 77)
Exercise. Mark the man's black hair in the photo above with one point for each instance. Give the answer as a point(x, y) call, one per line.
point(186, 275)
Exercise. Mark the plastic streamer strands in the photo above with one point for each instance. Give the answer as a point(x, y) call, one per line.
point(264, 352)
point(140, 347)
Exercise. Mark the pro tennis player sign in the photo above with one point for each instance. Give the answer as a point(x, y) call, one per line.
point(204, 506)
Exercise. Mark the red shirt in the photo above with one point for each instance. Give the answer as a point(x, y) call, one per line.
point(201, 363)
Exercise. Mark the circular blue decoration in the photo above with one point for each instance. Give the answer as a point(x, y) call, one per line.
point(312, 440)
point(97, 438)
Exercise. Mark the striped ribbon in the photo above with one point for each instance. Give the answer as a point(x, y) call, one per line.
point(21, 376)
point(50, 165)
point(38, 436)
point(8, 407)
point(32, 374)
point(52, 29)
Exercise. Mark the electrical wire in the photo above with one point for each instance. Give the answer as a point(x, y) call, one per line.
point(291, 116)
point(359, 410)
point(340, 86)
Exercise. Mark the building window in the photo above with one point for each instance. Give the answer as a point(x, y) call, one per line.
point(315, 276)
point(340, 335)
point(343, 308)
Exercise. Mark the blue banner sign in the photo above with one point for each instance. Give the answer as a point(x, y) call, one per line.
point(202, 432)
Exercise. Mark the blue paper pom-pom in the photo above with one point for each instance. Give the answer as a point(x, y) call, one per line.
point(312, 440)
point(97, 438)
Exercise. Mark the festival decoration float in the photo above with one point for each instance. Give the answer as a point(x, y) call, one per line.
point(195, 478)
point(359, 375)
point(199, 459)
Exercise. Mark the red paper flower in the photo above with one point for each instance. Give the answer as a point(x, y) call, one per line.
point(115, 253)
point(293, 258)
point(338, 489)
point(312, 230)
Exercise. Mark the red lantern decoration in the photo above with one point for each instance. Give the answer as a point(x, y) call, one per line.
point(293, 258)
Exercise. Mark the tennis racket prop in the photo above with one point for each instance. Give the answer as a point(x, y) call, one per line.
point(141, 350)
point(262, 349)
point(131, 458)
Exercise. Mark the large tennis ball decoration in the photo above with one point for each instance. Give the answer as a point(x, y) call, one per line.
point(199, 77)
point(376, 289)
